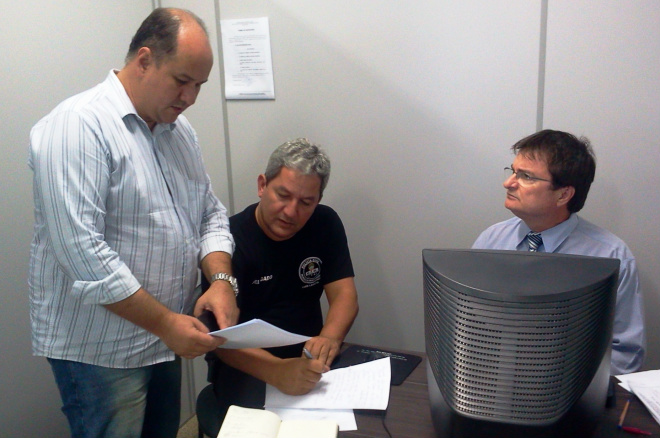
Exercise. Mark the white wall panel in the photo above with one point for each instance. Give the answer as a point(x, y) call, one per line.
point(602, 81)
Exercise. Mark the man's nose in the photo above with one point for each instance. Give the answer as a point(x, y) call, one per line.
point(189, 94)
point(511, 181)
point(291, 209)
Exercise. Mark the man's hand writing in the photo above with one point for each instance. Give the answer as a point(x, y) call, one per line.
point(297, 376)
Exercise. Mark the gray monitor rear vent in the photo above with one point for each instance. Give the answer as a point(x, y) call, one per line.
point(510, 338)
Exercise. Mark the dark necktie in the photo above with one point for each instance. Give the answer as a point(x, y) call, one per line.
point(534, 240)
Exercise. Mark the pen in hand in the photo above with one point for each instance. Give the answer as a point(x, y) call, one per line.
point(307, 354)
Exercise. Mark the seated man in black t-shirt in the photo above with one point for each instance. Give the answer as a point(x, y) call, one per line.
point(289, 250)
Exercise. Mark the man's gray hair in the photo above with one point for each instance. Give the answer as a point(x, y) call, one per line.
point(300, 155)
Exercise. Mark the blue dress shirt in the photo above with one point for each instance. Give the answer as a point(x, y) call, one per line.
point(580, 237)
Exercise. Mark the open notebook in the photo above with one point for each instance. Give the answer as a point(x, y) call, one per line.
point(257, 423)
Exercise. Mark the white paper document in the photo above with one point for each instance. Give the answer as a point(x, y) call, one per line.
point(247, 59)
point(647, 377)
point(257, 334)
point(363, 386)
point(646, 386)
point(649, 394)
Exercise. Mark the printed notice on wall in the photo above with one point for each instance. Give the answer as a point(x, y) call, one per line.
point(247, 58)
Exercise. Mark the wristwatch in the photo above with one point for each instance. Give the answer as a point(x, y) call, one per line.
point(228, 278)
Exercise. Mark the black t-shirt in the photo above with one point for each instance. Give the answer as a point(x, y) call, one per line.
point(280, 283)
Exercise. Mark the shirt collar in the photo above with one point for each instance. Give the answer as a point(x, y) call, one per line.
point(126, 107)
point(552, 237)
point(556, 235)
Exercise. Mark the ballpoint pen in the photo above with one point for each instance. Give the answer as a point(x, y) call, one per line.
point(623, 414)
point(307, 354)
point(635, 430)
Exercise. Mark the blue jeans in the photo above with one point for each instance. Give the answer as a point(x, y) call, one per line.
point(102, 402)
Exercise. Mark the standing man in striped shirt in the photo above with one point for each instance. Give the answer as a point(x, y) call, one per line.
point(124, 218)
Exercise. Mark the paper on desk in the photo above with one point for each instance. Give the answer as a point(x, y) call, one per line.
point(651, 377)
point(257, 334)
point(646, 386)
point(649, 394)
point(345, 418)
point(363, 386)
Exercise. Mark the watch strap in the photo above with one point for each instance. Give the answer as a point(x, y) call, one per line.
point(228, 278)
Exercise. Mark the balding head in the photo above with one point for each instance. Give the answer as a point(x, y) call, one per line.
point(160, 31)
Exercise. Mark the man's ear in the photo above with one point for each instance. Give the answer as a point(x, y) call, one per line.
point(565, 195)
point(144, 58)
point(261, 184)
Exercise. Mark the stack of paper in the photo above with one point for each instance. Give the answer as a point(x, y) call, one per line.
point(363, 386)
point(646, 386)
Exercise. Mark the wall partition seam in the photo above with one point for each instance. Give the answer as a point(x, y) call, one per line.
point(540, 94)
point(225, 117)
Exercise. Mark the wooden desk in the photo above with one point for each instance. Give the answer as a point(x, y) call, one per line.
point(637, 416)
point(409, 415)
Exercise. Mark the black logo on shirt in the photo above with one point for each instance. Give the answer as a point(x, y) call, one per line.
point(310, 270)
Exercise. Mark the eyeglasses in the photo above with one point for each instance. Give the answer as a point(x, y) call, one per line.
point(523, 178)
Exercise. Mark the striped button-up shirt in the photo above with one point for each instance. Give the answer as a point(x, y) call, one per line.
point(117, 207)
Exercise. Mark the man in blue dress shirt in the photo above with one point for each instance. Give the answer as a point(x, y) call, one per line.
point(547, 185)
